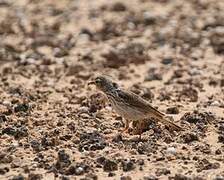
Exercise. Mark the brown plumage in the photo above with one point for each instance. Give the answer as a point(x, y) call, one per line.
point(147, 110)
point(129, 105)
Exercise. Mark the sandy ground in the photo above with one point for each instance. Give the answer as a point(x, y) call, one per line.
point(52, 125)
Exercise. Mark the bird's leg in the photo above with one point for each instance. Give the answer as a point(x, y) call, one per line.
point(140, 137)
point(126, 127)
point(139, 129)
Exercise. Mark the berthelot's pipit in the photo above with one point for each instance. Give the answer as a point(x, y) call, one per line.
point(130, 106)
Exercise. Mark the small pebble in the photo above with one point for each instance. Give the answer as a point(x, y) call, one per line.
point(215, 103)
point(171, 150)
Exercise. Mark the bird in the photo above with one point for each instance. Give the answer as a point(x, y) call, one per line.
point(130, 106)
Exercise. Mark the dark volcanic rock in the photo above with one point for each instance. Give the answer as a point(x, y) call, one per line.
point(4, 170)
point(109, 30)
point(131, 53)
point(150, 177)
point(63, 160)
point(35, 176)
point(172, 110)
point(36, 145)
point(205, 164)
point(162, 171)
point(221, 138)
point(181, 177)
point(17, 132)
point(21, 107)
point(188, 93)
point(189, 137)
point(198, 117)
point(128, 165)
point(109, 165)
point(217, 40)
point(153, 74)
point(3, 118)
point(167, 61)
point(77, 169)
point(19, 177)
point(125, 178)
point(118, 7)
point(91, 142)
point(9, 131)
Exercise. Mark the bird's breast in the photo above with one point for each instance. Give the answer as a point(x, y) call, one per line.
point(127, 112)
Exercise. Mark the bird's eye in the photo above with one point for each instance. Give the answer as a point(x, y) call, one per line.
point(97, 81)
point(115, 85)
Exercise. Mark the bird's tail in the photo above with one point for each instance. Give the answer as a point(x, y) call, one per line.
point(161, 118)
point(170, 124)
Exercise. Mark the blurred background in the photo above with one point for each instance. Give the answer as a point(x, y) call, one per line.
point(170, 52)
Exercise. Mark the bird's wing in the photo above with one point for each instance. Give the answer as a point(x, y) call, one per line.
point(134, 100)
point(142, 105)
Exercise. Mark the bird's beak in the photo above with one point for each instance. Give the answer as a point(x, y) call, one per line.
point(91, 82)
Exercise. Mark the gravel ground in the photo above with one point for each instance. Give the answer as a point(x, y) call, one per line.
point(52, 125)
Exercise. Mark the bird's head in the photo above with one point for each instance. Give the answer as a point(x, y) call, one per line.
point(104, 84)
